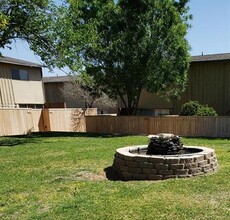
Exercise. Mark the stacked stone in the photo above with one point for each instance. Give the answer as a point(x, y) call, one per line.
point(165, 144)
point(129, 166)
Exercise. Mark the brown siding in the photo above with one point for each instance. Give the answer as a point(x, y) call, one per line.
point(150, 101)
point(53, 92)
point(54, 95)
point(153, 101)
point(209, 83)
point(13, 92)
point(6, 88)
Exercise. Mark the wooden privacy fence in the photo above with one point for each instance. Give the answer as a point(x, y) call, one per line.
point(23, 121)
point(183, 126)
point(20, 121)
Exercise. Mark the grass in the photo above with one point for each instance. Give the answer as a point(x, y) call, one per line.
point(63, 176)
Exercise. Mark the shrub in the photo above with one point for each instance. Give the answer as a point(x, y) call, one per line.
point(194, 108)
point(189, 108)
point(206, 111)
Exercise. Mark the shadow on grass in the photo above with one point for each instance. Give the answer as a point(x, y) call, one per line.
point(110, 174)
point(208, 138)
point(79, 134)
point(11, 141)
point(14, 141)
point(96, 135)
point(68, 134)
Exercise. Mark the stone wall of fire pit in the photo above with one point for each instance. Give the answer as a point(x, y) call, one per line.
point(133, 166)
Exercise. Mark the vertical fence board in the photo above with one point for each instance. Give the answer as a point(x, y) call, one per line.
point(183, 126)
point(23, 121)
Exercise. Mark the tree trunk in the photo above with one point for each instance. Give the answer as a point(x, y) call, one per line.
point(130, 105)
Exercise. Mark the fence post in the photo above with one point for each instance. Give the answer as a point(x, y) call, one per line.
point(46, 119)
point(148, 125)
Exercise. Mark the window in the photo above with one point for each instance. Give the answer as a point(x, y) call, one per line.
point(160, 112)
point(35, 106)
point(15, 74)
point(19, 74)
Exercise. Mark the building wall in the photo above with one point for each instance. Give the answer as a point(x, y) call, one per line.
point(56, 99)
point(209, 83)
point(54, 96)
point(13, 92)
point(153, 101)
point(28, 92)
point(6, 87)
point(151, 104)
point(53, 92)
point(73, 103)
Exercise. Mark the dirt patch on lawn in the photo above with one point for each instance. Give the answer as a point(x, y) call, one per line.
point(80, 176)
point(87, 175)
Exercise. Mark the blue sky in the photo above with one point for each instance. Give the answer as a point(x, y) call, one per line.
point(210, 32)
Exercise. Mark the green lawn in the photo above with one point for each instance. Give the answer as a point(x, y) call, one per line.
point(62, 176)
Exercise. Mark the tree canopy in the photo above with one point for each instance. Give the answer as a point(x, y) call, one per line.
point(129, 45)
point(126, 45)
point(28, 20)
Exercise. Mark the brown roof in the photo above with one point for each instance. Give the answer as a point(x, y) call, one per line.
point(56, 79)
point(210, 57)
point(200, 58)
point(10, 60)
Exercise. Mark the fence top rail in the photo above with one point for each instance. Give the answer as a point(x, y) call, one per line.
point(19, 109)
point(70, 109)
point(158, 117)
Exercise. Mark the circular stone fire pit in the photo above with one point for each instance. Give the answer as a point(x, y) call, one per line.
point(132, 163)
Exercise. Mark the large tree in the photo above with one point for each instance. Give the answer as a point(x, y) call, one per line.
point(31, 21)
point(126, 45)
point(46, 28)
point(129, 45)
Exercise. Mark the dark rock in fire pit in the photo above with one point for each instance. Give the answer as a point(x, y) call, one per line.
point(164, 144)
